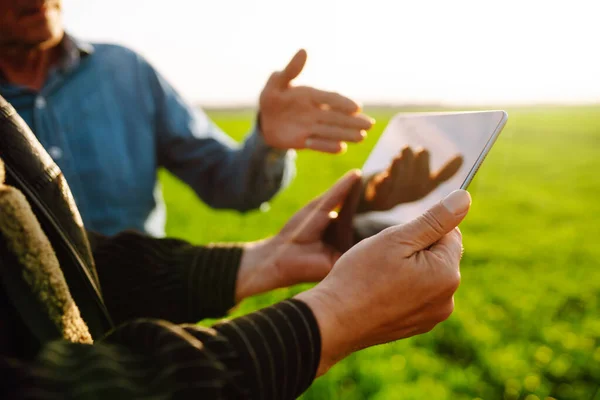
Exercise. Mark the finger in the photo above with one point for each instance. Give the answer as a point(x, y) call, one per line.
point(449, 250)
point(338, 134)
point(379, 186)
point(439, 307)
point(430, 227)
point(447, 171)
point(309, 224)
point(402, 166)
point(335, 101)
point(449, 247)
point(400, 173)
point(335, 118)
point(283, 78)
point(325, 145)
point(444, 307)
point(422, 164)
point(338, 192)
point(318, 212)
point(294, 67)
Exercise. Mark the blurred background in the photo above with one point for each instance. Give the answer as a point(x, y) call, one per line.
point(527, 321)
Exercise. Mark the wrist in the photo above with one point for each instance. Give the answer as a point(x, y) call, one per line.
point(268, 135)
point(336, 340)
point(262, 131)
point(257, 269)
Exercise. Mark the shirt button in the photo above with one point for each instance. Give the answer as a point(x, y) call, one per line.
point(40, 103)
point(272, 157)
point(55, 152)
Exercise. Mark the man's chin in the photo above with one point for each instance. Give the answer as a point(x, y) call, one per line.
point(42, 42)
point(50, 42)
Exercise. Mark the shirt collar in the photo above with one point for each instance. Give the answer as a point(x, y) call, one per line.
point(74, 50)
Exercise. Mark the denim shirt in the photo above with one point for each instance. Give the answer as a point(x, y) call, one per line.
point(109, 120)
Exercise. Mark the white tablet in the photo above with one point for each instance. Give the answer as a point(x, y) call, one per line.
point(446, 136)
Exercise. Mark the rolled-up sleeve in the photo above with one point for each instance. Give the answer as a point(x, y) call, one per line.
point(223, 173)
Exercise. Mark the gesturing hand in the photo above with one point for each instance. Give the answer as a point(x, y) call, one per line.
point(297, 253)
point(408, 178)
point(396, 284)
point(298, 117)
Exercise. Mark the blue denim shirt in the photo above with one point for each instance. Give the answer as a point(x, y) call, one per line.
point(109, 120)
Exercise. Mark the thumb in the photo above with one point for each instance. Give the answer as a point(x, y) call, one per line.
point(310, 222)
point(336, 195)
point(430, 227)
point(293, 69)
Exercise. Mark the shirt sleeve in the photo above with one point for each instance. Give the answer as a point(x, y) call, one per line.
point(271, 354)
point(145, 277)
point(222, 172)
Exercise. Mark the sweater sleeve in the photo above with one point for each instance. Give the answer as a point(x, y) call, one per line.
point(270, 354)
point(144, 277)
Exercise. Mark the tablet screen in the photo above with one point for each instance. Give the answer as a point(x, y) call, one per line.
point(454, 143)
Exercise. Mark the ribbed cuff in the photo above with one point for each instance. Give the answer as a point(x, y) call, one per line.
point(278, 165)
point(260, 145)
point(211, 280)
point(278, 347)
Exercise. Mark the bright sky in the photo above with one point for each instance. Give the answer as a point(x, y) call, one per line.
point(222, 51)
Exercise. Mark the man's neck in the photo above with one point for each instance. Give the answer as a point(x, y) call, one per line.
point(27, 67)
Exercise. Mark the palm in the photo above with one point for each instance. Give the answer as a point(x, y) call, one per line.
point(299, 117)
point(290, 113)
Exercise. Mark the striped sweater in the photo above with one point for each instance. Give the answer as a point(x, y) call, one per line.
point(152, 288)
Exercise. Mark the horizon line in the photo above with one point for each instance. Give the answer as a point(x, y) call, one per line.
point(405, 105)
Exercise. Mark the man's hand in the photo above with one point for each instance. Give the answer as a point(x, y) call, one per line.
point(396, 284)
point(299, 117)
point(408, 178)
point(296, 254)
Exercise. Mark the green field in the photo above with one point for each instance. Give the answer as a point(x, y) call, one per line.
point(527, 319)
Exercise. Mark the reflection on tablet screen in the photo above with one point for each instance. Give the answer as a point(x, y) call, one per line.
point(419, 159)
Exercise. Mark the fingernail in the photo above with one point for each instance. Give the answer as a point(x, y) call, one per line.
point(457, 202)
point(363, 134)
point(344, 148)
point(372, 121)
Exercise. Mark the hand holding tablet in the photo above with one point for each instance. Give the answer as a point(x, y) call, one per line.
point(419, 159)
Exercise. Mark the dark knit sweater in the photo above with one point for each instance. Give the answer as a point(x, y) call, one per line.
point(270, 354)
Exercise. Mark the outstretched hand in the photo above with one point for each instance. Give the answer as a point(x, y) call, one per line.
point(302, 117)
point(407, 179)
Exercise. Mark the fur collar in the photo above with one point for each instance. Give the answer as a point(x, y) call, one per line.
point(40, 268)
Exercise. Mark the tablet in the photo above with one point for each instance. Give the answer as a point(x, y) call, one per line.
point(461, 139)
